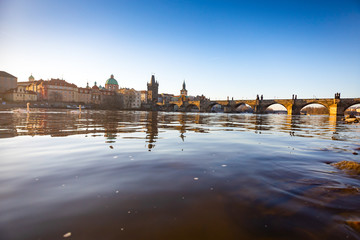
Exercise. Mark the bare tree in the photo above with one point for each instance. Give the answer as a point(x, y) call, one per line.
point(55, 96)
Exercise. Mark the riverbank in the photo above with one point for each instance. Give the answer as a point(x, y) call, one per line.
point(58, 105)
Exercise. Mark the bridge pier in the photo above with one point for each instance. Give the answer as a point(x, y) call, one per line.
point(293, 109)
point(336, 110)
point(228, 109)
point(258, 109)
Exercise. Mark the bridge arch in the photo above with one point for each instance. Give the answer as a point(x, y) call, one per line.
point(172, 107)
point(321, 108)
point(313, 102)
point(346, 108)
point(282, 107)
point(243, 108)
point(216, 108)
point(351, 104)
point(209, 107)
point(191, 108)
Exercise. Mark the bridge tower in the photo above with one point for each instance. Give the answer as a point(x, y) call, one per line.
point(183, 92)
point(153, 89)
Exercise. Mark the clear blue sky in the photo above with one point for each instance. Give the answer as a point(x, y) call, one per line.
point(221, 48)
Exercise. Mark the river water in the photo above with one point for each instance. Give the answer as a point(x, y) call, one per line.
point(157, 175)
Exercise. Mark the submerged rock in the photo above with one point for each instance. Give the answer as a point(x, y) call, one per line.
point(355, 224)
point(351, 120)
point(350, 166)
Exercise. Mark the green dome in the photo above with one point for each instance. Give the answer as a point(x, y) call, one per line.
point(111, 80)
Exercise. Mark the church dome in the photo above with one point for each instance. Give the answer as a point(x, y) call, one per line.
point(111, 80)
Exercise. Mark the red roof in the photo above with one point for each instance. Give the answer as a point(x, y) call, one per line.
point(59, 82)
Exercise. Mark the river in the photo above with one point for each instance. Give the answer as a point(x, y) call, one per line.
point(159, 175)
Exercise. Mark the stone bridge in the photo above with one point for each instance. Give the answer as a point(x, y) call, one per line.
point(336, 106)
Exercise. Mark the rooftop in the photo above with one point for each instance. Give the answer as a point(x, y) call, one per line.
point(112, 80)
point(5, 74)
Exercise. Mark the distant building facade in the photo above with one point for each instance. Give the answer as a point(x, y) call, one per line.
point(84, 95)
point(95, 95)
point(7, 82)
point(143, 96)
point(131, 98)
point(56, 90)
point(59, 90)
point(165, 98)
point(152, 90)
point(20, 94)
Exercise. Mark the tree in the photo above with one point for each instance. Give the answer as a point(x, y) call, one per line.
point(315, 110)
point(55, 96)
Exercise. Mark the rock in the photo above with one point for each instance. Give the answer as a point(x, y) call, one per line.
point(350, 166)
point(355, 224)
point(351, 120)
point(67, 235)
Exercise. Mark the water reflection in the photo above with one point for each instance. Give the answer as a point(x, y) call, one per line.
point(110, 124)
point(156, 175)
point(151, 129)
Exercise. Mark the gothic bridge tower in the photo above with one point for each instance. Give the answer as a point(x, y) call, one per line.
point(153, 90)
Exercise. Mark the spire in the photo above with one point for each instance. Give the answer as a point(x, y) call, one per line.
point(184, 85)
point(112, 76)
point(152, 79)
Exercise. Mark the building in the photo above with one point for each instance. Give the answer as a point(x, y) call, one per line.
point(56, 90)
point(153, 90)
point(7, 82)
point(165, 98)
point(84, 95)
point(131, 98)
point(95, 95)
point(60, 91)
point(111, 84)
point(20, 94)
point(200, 98)
point(183, 92)
point(110, 99)
point(143, 96)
